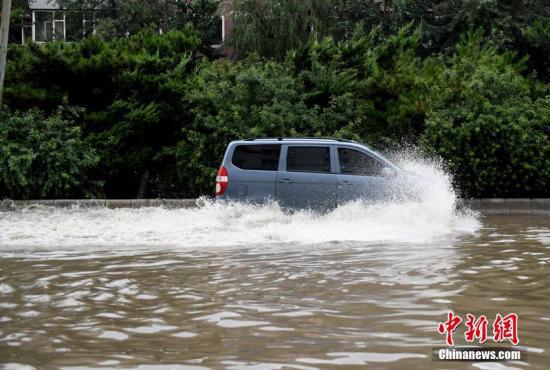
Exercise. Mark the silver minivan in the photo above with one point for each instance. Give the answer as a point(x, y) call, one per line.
point(311, 173)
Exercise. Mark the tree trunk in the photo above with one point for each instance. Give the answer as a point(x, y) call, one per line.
point(4, 34)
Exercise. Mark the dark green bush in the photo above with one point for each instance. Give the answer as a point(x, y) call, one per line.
point(132, 91)
point(237, 100)
point(370, 88)
point(159, 117)
point(536, 43)
point(44, 156)
point(93, 73)
point(486, 122)
point(367, 89)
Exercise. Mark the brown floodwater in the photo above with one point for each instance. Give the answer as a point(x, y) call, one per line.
point(264, 304)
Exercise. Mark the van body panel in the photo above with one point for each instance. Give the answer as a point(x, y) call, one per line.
point(352, 188)
point(251, 186)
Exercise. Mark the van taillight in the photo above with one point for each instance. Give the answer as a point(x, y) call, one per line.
point(221, 181)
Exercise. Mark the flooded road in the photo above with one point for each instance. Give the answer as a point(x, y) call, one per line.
point(86, 292)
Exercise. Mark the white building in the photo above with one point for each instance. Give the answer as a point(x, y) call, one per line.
point(50, 22)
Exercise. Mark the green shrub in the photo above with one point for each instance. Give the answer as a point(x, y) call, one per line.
point(93, 73)
point(486, 122)
point(44, 156)
point(132, 92)
point(159, 116)
point(370, 88)
point(229, 101)
point(536, 43)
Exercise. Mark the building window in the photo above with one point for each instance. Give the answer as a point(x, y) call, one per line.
point(58, 25)
point(43, 26)
point(88, 24)
point(80, 25)
point(52, 25)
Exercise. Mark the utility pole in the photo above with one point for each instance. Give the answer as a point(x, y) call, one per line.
point(4, 33)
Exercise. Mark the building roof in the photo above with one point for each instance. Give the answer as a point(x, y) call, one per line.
point(43, 4)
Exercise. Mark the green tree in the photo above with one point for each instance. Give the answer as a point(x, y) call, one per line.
point(536, 44)
point(203, 15)
point(44, 156)
point(122, 17)
point(19, 13)
point(486, 120)
point(371, 87)
point(132, 96)
point(272, 28)
point(236, 100)
point(343, 17)
point(159, 116)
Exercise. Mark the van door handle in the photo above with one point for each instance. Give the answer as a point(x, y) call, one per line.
point(285, 181)
point(345, 182)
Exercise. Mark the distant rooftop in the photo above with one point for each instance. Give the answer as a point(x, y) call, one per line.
point(43, 4)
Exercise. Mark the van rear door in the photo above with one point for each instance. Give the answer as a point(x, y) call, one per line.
point(253, 172)
point(305, 178)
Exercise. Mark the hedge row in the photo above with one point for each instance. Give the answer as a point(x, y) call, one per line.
point(154, 118)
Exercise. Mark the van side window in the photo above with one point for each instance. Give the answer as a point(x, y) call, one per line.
point(354, 162)
point(308, 159)
point(257, 157)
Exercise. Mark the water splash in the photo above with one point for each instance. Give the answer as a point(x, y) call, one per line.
point(424, 209)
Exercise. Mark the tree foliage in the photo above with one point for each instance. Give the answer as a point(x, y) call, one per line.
point(158, 114)
point(131, 89)
point(128, 17)
point(44, 156)
point(273, 28)
point(536, 45)
point(486, 121)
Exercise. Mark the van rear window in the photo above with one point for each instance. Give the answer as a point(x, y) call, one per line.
point(257, 157)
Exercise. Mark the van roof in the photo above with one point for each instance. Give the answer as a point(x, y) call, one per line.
point(300, 139)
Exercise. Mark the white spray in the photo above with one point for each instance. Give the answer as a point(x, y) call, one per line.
point(430, 215)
